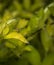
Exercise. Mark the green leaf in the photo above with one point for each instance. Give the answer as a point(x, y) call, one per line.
point(26, 31)
point(49, 59)
point(40, 15)
point(33, 56)
point(16, 46)
point(17, 5)
point(10, 45)
point(51, 8)
point(37, 4)
point(47, 13)
point(27, 48)
point(16, 42)
point(26, 4)
point(46, 40)
point(22, 23)
point(34, 23)
point(25, 14)
point(15, 35)
point(37, 22)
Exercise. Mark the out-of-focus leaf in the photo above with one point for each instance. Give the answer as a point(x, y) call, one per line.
point(26, 14)
point(27, 48)
point(10, 45)
point(34, 23)
point(12, 24)
point(7, 16)
point(37, 4)
point(20, 61)
point(16, 46)
point(46, 39)
point(2, 26)
point(3, 54)
point(22, 23)
point(1, 7)
point(46, 14)
point(17, 5)
point(6, 30)
point(37, 22)
point(50, 30)
point(16, 42)
point(17, 51)
point(33, 56)
point(40, 15)
point(26, 4)
point(26, 31)
point(23, 61)
point(49, 59)
point(15, 35)
point(51, 8)
point(50, 21)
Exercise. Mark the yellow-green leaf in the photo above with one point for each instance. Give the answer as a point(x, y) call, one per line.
point(9, 45)
point(6, 30)
point(2, 26)
point(22, 23)
point(27, 48)
point(50, 30)
point(16, 35)
point(7, 16)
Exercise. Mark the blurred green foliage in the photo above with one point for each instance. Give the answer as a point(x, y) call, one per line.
point(26, 32)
